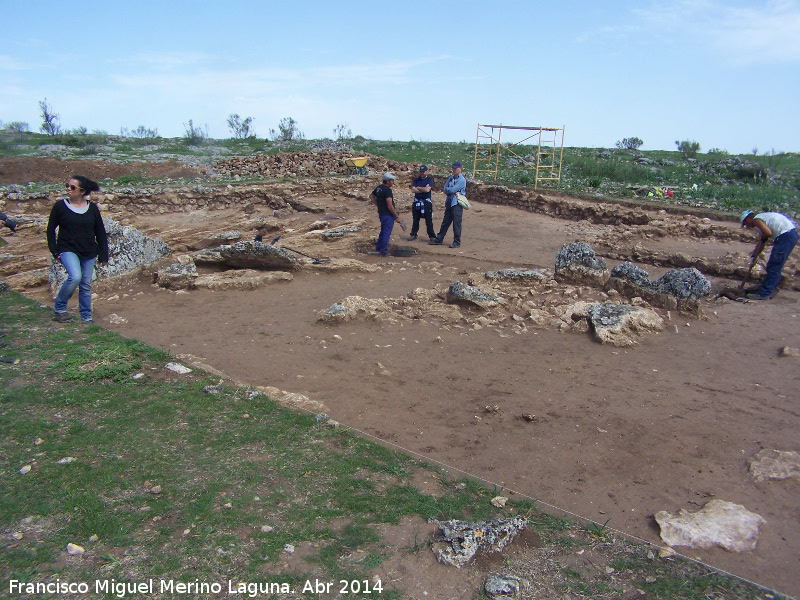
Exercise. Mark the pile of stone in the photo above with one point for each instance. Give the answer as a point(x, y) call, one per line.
point(323, 163)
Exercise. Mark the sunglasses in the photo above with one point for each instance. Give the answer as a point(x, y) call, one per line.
point(73, 187)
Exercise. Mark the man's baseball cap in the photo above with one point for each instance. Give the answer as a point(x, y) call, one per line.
point(423, 168)
point(388, 177)
point(456, 165)
point(744, 215)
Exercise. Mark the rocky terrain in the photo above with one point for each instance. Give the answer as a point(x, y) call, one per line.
point(578, 352)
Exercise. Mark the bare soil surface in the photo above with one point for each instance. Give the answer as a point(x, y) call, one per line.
point(617, 434)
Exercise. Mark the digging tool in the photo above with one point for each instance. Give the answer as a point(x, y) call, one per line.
point(313, 258)
point(749, 271)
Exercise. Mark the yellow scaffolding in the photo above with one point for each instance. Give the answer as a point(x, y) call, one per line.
point(548, 143)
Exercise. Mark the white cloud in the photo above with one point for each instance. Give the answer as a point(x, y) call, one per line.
point(755, 32)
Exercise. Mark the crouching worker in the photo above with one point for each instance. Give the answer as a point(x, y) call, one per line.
point(8, 222)
point(779, 228)
point(81, 240)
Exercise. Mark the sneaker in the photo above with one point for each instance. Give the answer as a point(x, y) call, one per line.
point(454, 245)
point(435, 242)
point(62, 317)
point(88, 321)
point(411, 238)
point(374, 253)
point(755, 296)
point(11, 224)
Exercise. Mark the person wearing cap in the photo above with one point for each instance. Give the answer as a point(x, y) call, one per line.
point(423, 207)
point(384, 199)
point(783, 232)
point(453, 211)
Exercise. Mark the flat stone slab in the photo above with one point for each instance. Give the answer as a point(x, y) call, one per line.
point(257, 255)
point(466, 294)
point(775, 464)
point(719, 523)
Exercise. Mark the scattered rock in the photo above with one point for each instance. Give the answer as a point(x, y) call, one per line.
point(75, 549)
point(66, 460)
point(620, 324)
point(466, 294)
point(631, 272)
point(775, 464)
point(177, 276)
point(177, 368)
point(683, 283)
point(515, 274)
point(25, 469)
point(577, 263)
point(718, 523)
point(787, 351)
point(499, 501)
point(460, 540)
point(501, 587)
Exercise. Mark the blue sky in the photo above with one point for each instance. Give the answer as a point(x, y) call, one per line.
point(723, 73)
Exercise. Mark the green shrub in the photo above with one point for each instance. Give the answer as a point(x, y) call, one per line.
point(17, 126)
point(287, 131)
point(687, 148)
point(194, 135)
point(241, 129)
point(631, 143)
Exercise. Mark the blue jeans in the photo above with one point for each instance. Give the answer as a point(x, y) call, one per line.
point(452, 214)
point(387, 224)
point(783, 246)
point(79, 275)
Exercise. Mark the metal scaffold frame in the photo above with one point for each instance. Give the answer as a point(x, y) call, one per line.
point(543, 164)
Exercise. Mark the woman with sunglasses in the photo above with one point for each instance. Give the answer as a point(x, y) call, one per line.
point(81, 240)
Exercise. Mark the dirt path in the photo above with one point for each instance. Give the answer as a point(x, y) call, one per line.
point(618, 434)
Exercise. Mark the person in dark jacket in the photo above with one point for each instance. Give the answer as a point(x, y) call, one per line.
point(81, 241)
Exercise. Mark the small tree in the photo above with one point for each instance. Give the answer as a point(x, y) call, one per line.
point(687, 148)
point(50, 120)
point(631, 143)
point(287, 131)
point(241, 128)
point(140, 132)
point(342, 132)
point(17, 126)
point(194, 135)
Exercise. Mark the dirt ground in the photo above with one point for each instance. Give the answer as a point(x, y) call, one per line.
point(617, 434)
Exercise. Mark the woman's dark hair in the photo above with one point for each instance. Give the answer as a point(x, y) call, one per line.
point(87, 185)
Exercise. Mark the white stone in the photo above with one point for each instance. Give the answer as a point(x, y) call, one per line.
point(177, 368)
point(499, 501)
point(25, 469)
point(718, 523)
point(775, 464)
point(74, 549)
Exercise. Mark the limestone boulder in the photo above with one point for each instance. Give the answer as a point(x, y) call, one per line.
point(719, 523)
point(460, 541)
point(461, 293)
point(257, 255)
point(683, 283)
point(177, 276)
point(577, 263)
point(621, 324)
